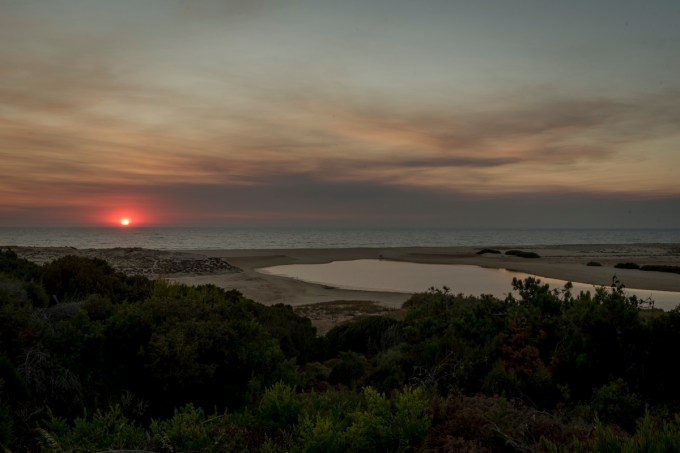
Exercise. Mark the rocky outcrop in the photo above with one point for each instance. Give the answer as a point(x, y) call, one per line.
point(136, 261)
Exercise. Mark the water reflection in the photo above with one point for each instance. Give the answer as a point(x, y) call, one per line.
point(404, 277)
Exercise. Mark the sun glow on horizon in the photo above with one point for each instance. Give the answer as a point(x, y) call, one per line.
point(125, 222)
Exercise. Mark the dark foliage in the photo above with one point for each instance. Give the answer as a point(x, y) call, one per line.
point(660, 268)
point(593, 263)
point(483, 251)
point(73, 277)
point(127, 363)
point(650, 267)
point(366, 336)
point(13, 266)
point(349, 369)
point(296, 335)
point(523, 254)
point(626, 266)
point(489, 424)
point(27, 273)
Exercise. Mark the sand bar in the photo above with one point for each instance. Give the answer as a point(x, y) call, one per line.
point(209, 266)
point(560, 262)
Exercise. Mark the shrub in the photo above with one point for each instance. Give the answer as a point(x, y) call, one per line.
point(614, 402)
point(109, 430)
point(652, 435)
point(12, 265)
point(73, 277)
point(523, 254)
point(5, 419)
point(483, 251)
point(349, 370)
point(410, 422)
point(185, 431)
point(593, 263)
point(369, 422)
point(486, 424)
point(279, 407)
point(320, 434)
point(626, 266)
point(363, 336)
point(295, 334)
point(660, 268)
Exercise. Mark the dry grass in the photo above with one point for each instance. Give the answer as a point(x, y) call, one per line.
point(326, 315)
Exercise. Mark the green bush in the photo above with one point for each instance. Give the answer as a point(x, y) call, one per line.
point(106, 430)
point(295, 334)
point(371, 422)
point(370, 428)
point(171, 353)
point(279, 408)
point(320, 434)
point(350, 369)
point(382, 424)
point(651, 435)
point(185, 431)
point(614, 402)
point(410, 421)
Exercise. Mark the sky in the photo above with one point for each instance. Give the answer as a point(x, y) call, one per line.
point(428, 113)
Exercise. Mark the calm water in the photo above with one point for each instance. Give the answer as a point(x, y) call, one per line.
point(392, 276)
point(271, 238)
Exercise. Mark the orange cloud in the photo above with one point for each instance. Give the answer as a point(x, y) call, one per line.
point(99, 122)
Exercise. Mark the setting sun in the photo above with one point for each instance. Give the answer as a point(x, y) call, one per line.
point(125, 222)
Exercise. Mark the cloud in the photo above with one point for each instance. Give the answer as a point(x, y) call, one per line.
point(303, 200)
point(143, 109)
point(231, 11)
point(548, 146)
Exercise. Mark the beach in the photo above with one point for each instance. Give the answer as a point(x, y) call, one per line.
point(327, 306)
point(238, 269)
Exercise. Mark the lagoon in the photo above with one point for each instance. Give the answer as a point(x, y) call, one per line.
point(408, 277)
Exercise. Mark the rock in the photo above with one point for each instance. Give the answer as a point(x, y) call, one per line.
point(136, 261)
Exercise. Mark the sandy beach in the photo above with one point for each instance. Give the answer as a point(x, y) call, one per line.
point(237, 269)
point(563, 262)
point(327, 306)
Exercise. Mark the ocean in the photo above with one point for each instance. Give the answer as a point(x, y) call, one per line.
point(283, 238)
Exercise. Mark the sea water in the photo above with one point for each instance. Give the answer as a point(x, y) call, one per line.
point(283, 238)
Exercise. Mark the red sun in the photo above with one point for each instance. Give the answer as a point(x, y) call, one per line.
point(125, 222)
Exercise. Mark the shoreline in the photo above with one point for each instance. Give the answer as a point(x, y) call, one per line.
point(564, 262)
point(567, 262)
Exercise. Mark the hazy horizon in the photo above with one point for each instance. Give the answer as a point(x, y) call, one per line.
point(340, 114)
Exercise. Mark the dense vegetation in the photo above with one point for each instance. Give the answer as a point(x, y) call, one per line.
point(93, 360)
